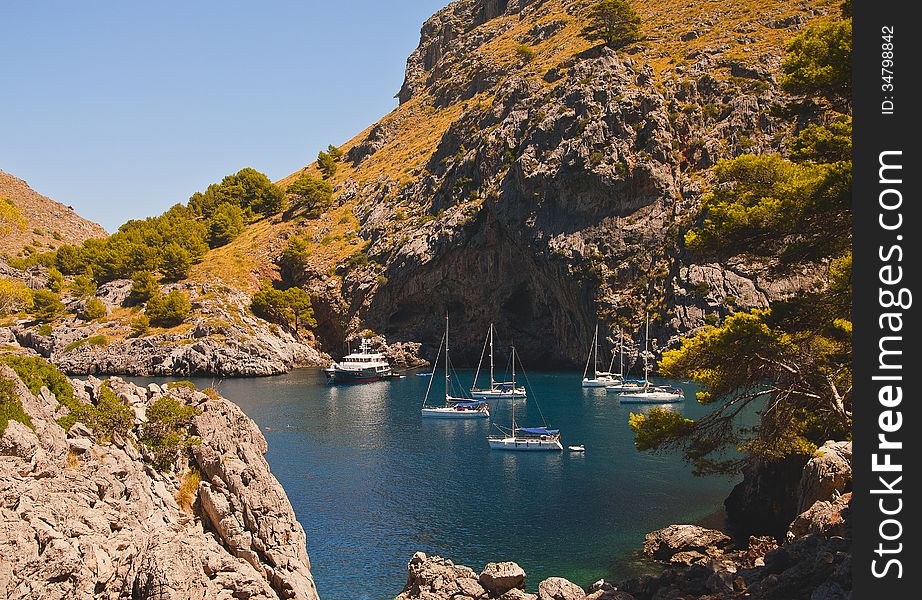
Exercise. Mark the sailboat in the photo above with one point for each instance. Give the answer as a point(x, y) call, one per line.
point(454, 407)
point(649, 393)
point(622, 385)
point(599, 379)
point(497, 389)
point(525, 438)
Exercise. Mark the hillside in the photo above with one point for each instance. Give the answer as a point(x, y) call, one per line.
point(42, 223)
point(532, 180)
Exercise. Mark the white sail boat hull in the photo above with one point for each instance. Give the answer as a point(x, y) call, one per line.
point(650, 397)
point(498, 394)
point(454, 413)
point(600, 382)
point(520, 444)
point(624, 386)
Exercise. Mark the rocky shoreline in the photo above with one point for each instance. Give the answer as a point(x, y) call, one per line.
point(84, 517)
point(813, 562)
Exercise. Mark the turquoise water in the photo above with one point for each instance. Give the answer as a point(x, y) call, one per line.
point(372, 483)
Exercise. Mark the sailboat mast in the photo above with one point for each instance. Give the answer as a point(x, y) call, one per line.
point(446, 358)
point(620, 353)
point(595, 343)
point(513, 393)
point(492, 381)
point(646, 353)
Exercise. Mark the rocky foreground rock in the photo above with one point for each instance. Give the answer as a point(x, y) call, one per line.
point(81, 518)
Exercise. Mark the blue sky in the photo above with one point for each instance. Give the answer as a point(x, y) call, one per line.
point(122, 109)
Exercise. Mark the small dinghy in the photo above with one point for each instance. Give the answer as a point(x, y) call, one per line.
point(579, 448)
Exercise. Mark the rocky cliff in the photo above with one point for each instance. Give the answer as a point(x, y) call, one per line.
point(87, 517)
point(532, 180)
point(38, 222)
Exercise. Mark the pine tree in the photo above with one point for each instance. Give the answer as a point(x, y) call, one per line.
point(613, 22)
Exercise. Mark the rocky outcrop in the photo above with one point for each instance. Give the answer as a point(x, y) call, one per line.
point(221, 337)
point(826, 475)
point(434, 577)
point(766, 501)
point(85, 518)
point(685, 544)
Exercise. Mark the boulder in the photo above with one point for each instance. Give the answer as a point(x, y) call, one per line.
point(558, 588)
point(827, 474)
point(19, 441)
point(690, 540)
point(434, 578)
point(499, 578)
point(826, 518)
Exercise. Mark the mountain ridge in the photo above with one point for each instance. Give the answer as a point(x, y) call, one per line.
point(43, 224)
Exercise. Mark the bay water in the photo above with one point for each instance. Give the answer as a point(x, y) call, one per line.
point(372, 482)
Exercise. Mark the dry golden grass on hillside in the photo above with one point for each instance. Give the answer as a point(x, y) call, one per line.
point(743, 30)
point(39, 223)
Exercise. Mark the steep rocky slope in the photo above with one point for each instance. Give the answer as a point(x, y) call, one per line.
point(86, 518)
point(534, 181)
point(43, 224)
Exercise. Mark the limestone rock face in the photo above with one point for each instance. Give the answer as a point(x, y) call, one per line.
point(551, 197)
point(81, 518)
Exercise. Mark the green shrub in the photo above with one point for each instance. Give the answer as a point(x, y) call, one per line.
point(357, 259)
point(335, 152)
point(227, 222)
point(96, 340)
point(55, 280)
point(109, 416)
point(143, 286)
point(525, 52)
point(168, 310)
point(46, 305)
point(175, 262)
point(314, 195)
point(166, 432)
point(140, 325)
point(11, 406)
point(83, 285)
point(182, 385)
point(294, 260)
point(327, 164)
point(248, 188)
point(291, 306)
point(93, 309)
point(36, 372)
point(14, 297)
